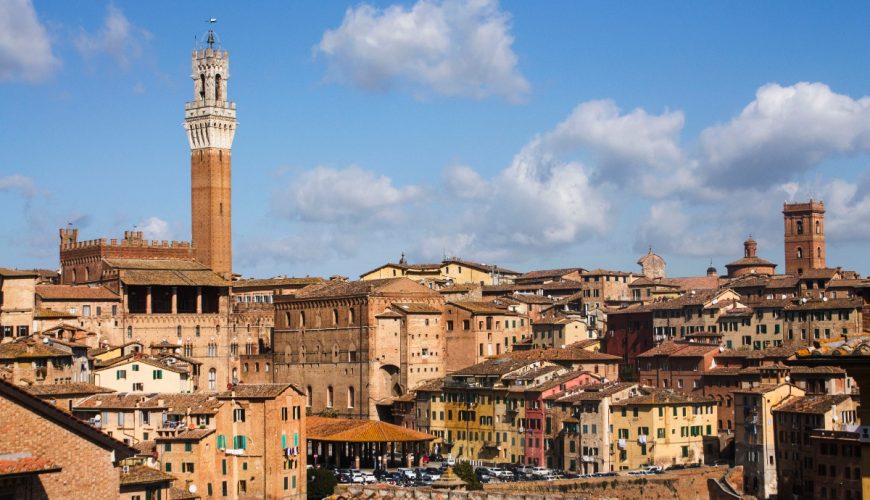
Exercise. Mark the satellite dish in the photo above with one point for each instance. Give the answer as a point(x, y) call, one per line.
point(191, 488)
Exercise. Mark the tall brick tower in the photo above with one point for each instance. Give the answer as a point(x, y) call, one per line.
point(804, 236)
point(210, 121)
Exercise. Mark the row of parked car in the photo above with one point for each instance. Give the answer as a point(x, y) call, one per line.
point(402, 477)
point(513, 472)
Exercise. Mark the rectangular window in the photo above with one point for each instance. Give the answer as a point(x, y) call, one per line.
point(157, 374)
point(239, 415)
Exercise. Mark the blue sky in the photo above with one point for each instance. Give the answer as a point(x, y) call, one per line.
point(527, 134)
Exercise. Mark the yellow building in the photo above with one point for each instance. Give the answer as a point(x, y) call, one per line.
point(663, 428)
point(450, 271)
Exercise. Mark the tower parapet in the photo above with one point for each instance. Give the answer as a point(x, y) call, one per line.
point(210, 119)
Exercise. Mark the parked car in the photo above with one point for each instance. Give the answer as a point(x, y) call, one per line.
point(358, 478)
point(436, 457)
point(653, 469)
point(434, 473)
point(409, 474)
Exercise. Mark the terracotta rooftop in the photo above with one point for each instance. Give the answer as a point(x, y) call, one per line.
point(188, 435)
point(780, 352)
point(857, 348)
point(530, 298)
point(663, 397)
point(78, 388)
point(413, 308)
point(592, 392)
point(276, 282)
point(360, 431)
point(196, 404)
point(826, 273)
point(257, 391)
point(341, 288)
point(14, 464)
point(547, 273)
point(815, 305)
point(28, 349)
point(573, 352)
point(680, 349)
point(75, 292)
point(818, 405)
point(167, 272)
point(480, 307)
point(690, 298)
point(141, 474)
point(16, 273)
point(494, 367)
point(52, 314)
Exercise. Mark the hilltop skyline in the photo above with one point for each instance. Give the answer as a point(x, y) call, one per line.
point(577, 134)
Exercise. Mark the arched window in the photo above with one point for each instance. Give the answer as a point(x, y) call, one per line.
point(197, 330)
point(351, 397)
point(329, 397)
point(335, 317)
point(819, 252)
point(351, 316)
point(800, 227)
point(129, 332)
point(302, 319)
point(217, 329)
point(334, 352)
point(202, 87)
point(87, 274)
point(287, 319)
point(73, 275)
point(235, 375)
point(245, 368)
point(309, 396)
point(818, 227)
point(267, 367)
point(178, 331)
point(800, 253)
point(217, 87)
point(212, 379)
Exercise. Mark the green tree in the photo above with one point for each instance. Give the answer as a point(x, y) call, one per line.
point(321, 483)
point(466, 472)
point(329, 413)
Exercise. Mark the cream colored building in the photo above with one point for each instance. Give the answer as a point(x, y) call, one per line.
point(452, 271)
point(663, 428)
point(560, 332)
point(754, 434)
point(140, 374)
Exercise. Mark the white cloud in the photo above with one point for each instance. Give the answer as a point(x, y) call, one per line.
point(454, 48)
point(784, 132)
point(25, 47)
point(117, 38)
point(464, 182)
point(155, 228)
point(325, 194)
point(19, 183)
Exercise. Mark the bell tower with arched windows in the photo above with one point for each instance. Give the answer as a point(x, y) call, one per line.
point(804, 236)
point(210, 120)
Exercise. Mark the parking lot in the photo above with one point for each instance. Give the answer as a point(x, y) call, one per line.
point(501, 473)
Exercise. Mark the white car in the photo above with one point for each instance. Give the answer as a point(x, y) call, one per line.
point(358, 478)
point(369, 478)
point(540, 472)
point(408, 473)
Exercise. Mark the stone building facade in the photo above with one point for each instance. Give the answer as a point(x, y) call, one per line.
point(804, 236)
point(353, 344)
point(16, 302)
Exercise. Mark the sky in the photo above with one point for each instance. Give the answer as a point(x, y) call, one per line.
point(525, 134)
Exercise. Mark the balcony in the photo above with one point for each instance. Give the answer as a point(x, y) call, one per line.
point(171, 428)
point(491, 444)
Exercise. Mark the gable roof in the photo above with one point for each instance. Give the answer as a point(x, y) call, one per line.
point(341, 288)
point(257, 391)
point(480, 307)
point(75, 292)
point(54, 414)
point(168, 272)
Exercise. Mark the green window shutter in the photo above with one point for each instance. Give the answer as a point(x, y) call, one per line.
point(283, 441)
point(295, 439)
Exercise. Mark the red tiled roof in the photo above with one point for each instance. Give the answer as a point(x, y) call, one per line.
point(75, 292)
point(14, 464)
point(141, 474)
point(344, 430)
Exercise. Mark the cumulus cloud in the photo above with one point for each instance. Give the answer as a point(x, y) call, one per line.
point(325, 194)
point(464, 182)
point(155, 228)
point(25, 47)
point(450, 47)
point(117, 38)
point(785, 131)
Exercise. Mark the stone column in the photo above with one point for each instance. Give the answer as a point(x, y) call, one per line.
point(199, 300)
point(148, 300)
point(175, 300)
